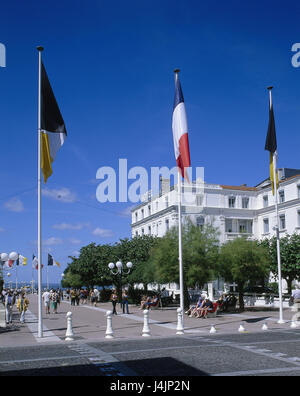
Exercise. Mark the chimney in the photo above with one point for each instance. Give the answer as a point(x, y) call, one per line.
point(164, 186)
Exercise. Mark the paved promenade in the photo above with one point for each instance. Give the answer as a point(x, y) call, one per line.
point(196, 353)
point(89, 324)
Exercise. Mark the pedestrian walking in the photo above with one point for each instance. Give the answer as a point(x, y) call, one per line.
point(9, 304)
point(46, 298)
point(22, 306)
point(73, 297)
point(96, 295)
point(125, 301)
point(114, 300)
point(54, 300)
point(296, 295)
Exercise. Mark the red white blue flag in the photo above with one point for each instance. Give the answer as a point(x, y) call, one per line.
point(180, 130)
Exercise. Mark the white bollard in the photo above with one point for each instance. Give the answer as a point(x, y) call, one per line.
point(242, 328)
point(109, 330)
point(2, 317)
point(213, 330)
point(265, 327)
point(180, 328)
point(69, 333)
point(293, 325)
point(146, 329)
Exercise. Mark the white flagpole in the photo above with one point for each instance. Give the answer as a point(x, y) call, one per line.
point(40, 313)
point(180, 247)
point(280, 321)
point(176, 71)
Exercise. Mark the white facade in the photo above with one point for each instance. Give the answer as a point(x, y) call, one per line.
point(234, 210)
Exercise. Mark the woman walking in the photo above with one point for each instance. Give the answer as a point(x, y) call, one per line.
point(114, 300)
point(125, 301)
point(22, 306)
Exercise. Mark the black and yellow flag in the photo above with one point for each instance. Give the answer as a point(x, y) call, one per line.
point(53, 130)
point(271, 146)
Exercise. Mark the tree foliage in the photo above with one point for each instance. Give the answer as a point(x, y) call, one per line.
point(290, 257)
point(243, 261)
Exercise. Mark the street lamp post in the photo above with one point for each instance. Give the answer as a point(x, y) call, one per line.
point(120, 271)
point(13, 256)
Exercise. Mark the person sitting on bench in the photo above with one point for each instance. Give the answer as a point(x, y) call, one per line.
point(208, 306)
point(193, 309)
point(153, 303)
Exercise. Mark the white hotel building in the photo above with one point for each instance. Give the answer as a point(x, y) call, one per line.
point(234, 210)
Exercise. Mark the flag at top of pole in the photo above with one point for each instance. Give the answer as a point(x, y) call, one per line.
point(53, 127)
point(180, 129)
point(271, 144)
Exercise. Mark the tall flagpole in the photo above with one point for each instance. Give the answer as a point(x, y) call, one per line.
point(280, 321)
point(40, 313)
point(180, 233)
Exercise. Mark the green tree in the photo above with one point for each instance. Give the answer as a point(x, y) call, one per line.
point(243, 261)
point(200, 252)
point(290, 258)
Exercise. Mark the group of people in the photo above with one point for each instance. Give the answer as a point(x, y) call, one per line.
point(148, 302)
point(124, 301)
point(83, 296)
point(204, 305)
point(202, 308)
point(52, 298)
point(10, 298)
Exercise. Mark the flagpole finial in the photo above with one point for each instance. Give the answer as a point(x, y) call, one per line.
point(176, 71)
point(270, 88)
point(40, 48)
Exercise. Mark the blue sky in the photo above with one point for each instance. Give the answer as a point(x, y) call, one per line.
point(111, 68)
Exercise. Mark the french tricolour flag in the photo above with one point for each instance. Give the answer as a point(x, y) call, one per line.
point(180, 129)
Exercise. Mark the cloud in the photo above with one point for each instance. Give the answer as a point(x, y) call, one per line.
point(14, 205)
point(75, 241)
point(62, 195)
point(126, 212)
point(2, 229)
point(52, 241)
point(102, 232)
point(68, 226)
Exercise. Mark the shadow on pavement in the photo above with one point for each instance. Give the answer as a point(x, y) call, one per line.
point(165, 366)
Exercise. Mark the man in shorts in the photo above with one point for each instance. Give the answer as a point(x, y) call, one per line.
point(46, 298)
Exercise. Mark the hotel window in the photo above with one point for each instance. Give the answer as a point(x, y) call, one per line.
point(167, 225)
point(149, 210)
point(136, 233)
point(200, 222)
point(143, 232)
point(142, 212)
point(281, 196)
point(231, 202)
point(136, 216)
point(199, 200)
point(266, 226)
point(298, 218)
point(282, 223)
point(266, 201)
point(245, 203)
point(228, 225)
point(157, 206)
point(149, 230)
point(298, 190)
